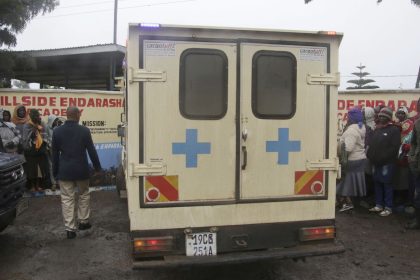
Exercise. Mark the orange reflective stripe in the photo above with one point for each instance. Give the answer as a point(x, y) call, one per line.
point(166, 189)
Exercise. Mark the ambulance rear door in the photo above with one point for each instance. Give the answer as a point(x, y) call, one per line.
point(284, 120)
point(188, 124)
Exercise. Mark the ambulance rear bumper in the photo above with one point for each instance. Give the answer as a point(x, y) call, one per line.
point(297, 252)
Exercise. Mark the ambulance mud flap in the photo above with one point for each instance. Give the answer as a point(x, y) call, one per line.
point(243, 257)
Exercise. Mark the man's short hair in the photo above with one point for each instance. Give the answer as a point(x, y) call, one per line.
point(72, 112)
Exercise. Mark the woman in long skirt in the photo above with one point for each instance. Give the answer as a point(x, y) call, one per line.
point(353, 139)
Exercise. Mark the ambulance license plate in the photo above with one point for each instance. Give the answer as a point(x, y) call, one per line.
point(201, 244)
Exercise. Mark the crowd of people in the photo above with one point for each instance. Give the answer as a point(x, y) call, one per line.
point(54, 152)
point(25, 133)
point(380, 158)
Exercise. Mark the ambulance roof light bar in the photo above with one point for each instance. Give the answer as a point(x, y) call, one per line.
point(331, 33)
point(149, 25)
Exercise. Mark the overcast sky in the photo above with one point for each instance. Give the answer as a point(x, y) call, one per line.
point(385, 37)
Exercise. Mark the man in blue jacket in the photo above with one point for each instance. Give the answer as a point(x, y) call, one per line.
point(70, 166)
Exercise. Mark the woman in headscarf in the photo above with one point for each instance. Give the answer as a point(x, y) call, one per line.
point(353, 143)
point(369, 116)
point(404, 188)
point(35, 151)
point(377, 109)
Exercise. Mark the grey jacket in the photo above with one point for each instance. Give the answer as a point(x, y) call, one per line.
point(49, 128)
point(10, 137)
point(28, 137)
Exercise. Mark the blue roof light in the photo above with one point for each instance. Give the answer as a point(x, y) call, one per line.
point(150, 25)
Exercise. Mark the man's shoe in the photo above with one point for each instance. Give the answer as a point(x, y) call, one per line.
point(385, 213)
point(84, 226)
point(70, 234)
point(413, 225)
point(376, 209)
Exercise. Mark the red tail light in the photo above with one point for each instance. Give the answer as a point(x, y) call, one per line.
point(317, 233)
point(153, 244)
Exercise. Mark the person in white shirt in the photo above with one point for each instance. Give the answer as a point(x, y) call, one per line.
point(353, 148)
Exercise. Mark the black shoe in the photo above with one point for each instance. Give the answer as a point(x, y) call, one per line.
point(70, 234)
point(413, 225)
point(84, 226)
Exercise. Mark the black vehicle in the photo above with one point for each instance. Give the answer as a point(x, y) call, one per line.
point(12, 187)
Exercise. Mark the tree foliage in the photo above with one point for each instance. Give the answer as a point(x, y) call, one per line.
point(8, 61)
point(361, 83)
point(14, 15)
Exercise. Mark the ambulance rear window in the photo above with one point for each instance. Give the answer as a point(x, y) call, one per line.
point(273, 85)
point(203, 84)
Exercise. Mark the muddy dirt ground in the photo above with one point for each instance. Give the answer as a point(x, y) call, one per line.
point(35, 247)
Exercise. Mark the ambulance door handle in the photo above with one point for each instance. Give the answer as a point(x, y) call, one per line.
point(244, 134)
point(244, 151)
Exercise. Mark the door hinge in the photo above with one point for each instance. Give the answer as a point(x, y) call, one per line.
point(329, 79)
point(137, 170)
point(143, 75)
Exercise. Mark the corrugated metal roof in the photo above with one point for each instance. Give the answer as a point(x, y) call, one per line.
point(99, 48)
point(85, 67)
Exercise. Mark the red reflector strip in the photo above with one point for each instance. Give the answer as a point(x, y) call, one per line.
point(317, 233)
point(169, 191)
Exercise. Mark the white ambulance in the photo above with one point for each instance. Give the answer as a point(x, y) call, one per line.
point(230, 144)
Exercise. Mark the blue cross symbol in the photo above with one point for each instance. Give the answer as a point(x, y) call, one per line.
point(283, 146)
point(191, 148)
